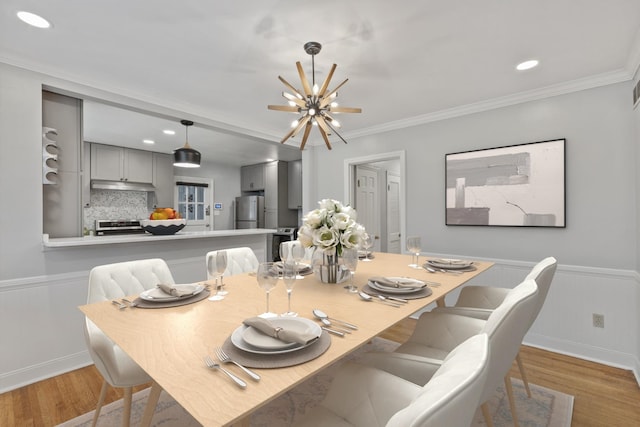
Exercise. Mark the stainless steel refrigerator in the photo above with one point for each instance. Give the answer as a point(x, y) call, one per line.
point(250, 212)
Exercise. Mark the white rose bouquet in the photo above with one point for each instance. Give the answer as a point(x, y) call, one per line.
point(331, 226)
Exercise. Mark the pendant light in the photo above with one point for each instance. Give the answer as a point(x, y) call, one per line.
point(186, 157)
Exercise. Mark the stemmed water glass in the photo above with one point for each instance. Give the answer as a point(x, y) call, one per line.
point(289, 271)
point(297, 253)
point(267, 277)
point(367, 243)
point(285, 251)
point(414, 246)
point(212, 271)
point(350, 260)
point(221, 266)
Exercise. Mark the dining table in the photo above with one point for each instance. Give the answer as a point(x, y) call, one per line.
point(170, 343)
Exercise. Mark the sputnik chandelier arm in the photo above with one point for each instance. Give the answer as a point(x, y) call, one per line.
point(314, 104)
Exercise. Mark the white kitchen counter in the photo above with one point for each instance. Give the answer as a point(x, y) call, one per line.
point(145, 238)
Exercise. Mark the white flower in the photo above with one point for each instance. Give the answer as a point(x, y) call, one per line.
point(341, 221)
point(315, 218)
point(331, 226)
point(325, 237)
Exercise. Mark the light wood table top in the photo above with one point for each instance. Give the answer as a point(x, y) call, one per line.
point(170, 343)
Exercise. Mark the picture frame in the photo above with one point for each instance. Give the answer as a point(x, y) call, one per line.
point(521, 185)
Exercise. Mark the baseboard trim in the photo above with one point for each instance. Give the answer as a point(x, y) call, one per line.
point(31, 374)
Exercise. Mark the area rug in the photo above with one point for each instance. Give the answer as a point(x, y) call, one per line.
point(546, 407)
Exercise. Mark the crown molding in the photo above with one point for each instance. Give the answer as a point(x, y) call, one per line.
point(518, 98)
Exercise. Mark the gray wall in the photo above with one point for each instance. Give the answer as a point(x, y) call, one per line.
point(600, 175)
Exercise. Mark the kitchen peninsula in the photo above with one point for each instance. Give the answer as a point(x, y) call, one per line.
point(259, 233)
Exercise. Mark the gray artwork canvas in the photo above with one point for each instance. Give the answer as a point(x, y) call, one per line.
point(519, 185)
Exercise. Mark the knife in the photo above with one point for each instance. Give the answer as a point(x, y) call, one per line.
point(333, 331)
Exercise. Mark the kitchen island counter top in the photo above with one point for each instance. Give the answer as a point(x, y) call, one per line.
point(143, 238)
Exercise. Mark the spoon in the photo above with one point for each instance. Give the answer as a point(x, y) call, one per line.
point(367, 297)
point(322, 315)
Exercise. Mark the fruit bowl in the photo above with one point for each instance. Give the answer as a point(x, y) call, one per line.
point(163, 226)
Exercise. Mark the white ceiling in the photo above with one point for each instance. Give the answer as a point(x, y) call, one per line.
point(407, 62)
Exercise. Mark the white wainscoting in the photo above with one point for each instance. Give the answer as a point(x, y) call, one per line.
point(43, 337)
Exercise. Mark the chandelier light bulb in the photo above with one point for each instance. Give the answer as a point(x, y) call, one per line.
point(312, 111)
point(294, 123)
point(316, 89)
point(335, 123)
point(293, 104)
point(334, 104)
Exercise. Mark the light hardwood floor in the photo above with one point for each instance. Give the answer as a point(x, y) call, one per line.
point(604, 396)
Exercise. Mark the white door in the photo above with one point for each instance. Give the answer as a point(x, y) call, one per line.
point(394, 245)
point(193, 197)
point(368, 202)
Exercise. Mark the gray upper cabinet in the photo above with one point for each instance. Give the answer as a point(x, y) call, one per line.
point(113, 163)
point(252, 177)
point(162, 181)
point(295, 184)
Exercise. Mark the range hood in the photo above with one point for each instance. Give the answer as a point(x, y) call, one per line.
point(99, 184)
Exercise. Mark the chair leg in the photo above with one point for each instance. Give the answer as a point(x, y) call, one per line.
point(152, 401)
point(485, 413)
point(103, 394)
point(523, 374)
point(512, 402)
point(126, 413)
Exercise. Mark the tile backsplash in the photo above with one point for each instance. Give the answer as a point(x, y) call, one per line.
point(112, 204)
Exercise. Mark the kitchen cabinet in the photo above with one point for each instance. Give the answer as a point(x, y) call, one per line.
point(113, 163)
point(295, 184)
point(162, 181)
point(277, 212)
point(252, 177)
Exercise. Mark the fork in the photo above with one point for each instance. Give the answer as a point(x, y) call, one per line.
point(224, 358)
point(213, 365)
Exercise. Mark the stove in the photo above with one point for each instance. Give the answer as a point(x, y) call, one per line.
point(110, 227)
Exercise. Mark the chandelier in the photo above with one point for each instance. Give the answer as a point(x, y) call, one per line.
point(317, 104)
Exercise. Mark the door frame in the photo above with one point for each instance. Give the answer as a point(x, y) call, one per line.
point(350, 177)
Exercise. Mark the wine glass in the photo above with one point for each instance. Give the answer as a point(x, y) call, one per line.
point(212, 271)
point(267, 277)
point(221, 266)
point(289, 271)
point(367, 243)
point(285, 251)
point(414, 246)
point(350, 261)
point(297, 253)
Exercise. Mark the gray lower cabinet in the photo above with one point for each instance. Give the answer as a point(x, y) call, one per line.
point(112, 163)
point(162, 181)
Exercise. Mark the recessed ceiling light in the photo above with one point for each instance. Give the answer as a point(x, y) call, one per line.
point(148, 141)
point(33, 19)
point(527, 65)
point(169, 132)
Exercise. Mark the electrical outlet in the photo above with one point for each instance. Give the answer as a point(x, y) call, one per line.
point(598, 320)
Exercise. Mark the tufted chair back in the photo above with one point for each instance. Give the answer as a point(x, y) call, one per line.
point(127, 278)
point(239, 260)
point(451, 396)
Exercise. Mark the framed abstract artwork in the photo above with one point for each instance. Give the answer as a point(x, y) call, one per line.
point(514, 186)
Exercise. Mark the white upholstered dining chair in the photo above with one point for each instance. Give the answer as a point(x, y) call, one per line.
point(239, 260)
point(363, 396)
point(480, 301)
point(109, 282)
point(437, 334)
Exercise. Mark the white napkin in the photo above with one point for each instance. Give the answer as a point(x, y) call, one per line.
point(284, 335)
point(176, 290)
point(398, 283)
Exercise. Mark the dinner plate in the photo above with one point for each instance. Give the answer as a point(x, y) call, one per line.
point(157, 295)
point(449, 264)
point(390, 290)
point(302, 324)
